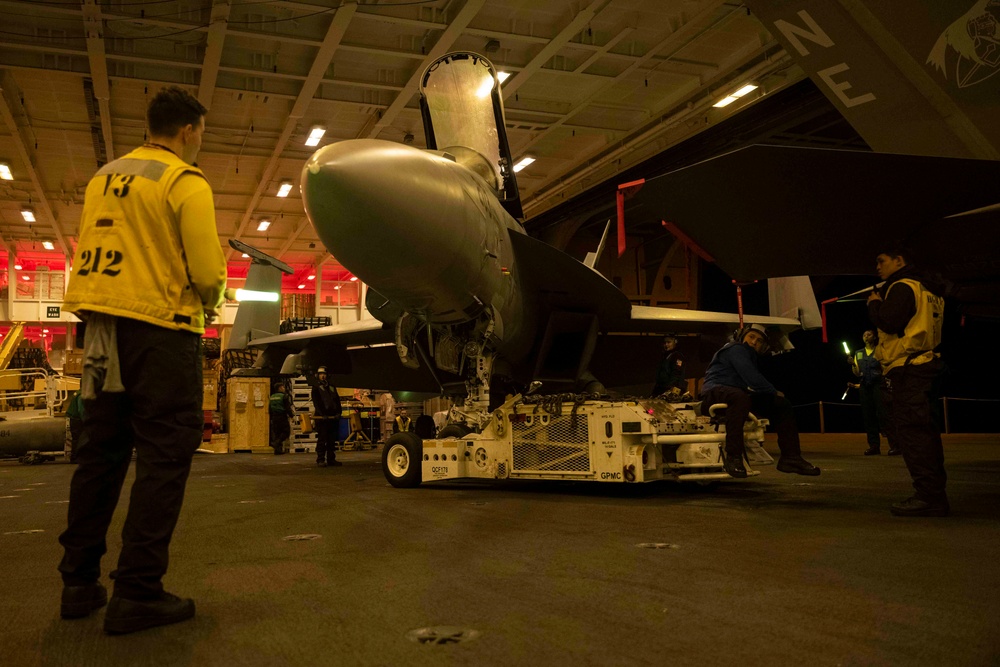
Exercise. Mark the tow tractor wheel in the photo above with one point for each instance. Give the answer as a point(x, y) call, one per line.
point(401, 460)
point(454, 431)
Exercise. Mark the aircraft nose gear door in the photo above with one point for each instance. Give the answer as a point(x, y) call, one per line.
point(406, 346)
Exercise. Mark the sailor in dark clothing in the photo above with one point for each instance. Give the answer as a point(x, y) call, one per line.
point(281, 410)
point(869, 373)
point(732, 378)
point(670, 372)
point(909, 314)
point(327, 411)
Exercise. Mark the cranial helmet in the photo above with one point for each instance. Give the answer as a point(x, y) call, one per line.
point(742, 332)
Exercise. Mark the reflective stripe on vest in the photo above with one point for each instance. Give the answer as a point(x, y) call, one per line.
point(921, 335)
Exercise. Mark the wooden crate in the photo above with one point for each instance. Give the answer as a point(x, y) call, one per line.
point(249, 420)
point(73, 363)
point(218, 444)
point(210, 395)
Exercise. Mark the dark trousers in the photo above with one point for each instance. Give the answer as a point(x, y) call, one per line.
point(913, 428)
point(280, 430)
point(326, 438)
point(873, 413)
point(775, 408)
point(159, 415)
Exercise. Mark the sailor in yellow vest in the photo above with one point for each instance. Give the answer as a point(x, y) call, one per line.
point(402, 422)
point(148, 274)
point(909, 314)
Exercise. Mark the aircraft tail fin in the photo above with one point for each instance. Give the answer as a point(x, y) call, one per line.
point(257, 318)
point(794, 297)
point(590, 261)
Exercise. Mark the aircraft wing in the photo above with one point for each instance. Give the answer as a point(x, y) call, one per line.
point(358, 354)
point(771, 211)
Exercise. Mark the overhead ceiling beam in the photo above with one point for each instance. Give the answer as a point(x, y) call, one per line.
point(299, 228)
point(334, 35)
point(26, 159)
point(441, 47)
point(569, 31)
point(603, 51)
point(676, 40)
point(213, 51)
point(553, 184)
point(99, 72)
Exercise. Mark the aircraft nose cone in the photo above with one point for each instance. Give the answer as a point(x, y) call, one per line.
point(378, 208)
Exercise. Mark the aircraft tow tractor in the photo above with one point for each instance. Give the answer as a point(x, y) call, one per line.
point(576, 437)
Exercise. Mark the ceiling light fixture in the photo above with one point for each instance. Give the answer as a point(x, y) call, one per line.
point(284, 188)
point(311, 277)
point(263, 225)
point(302, 286)
point(502, 76)
point(5, 172)
point(245, 256)
point(354, 279)
point(18, 267)
point(48, 245)
point(524, 162)
point(336, 287)
point(315, 135)
point(28, 215)
point(729, 99)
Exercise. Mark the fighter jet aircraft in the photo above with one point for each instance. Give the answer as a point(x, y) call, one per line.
point(462, 297)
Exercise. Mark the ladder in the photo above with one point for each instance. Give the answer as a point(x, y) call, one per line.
point(11, 343)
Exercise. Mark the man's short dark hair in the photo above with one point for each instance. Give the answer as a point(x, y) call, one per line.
point(897, 250)
point(172, 109)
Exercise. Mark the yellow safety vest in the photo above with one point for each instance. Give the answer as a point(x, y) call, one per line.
point(403, 423)
point(921, 335)
point(129, 260)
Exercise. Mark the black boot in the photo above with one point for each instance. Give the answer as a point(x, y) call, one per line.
point(797, 465)
point(125, 615)
point(733, 463)
point(873, 450)
point(79, 601)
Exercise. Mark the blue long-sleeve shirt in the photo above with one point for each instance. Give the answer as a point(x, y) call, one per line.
point(735, 365)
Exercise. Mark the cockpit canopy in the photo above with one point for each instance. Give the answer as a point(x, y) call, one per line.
point(463, 115)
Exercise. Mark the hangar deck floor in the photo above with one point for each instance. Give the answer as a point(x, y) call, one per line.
point(774, 570)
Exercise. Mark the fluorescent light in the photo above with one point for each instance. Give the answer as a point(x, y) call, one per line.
point(28, 215)
point(18, 267)
point(725, 101)
point(302, 286)
point(25, 277)
point(354, 279)
point(502, 76)
point(45, 330)
point(48, 245)
point(241, 294)
point(525, 161)
point(315, 135)
point(284, 188)
point(745, 89)
point(5, 172)
point(311, 277)
point(263, 225)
